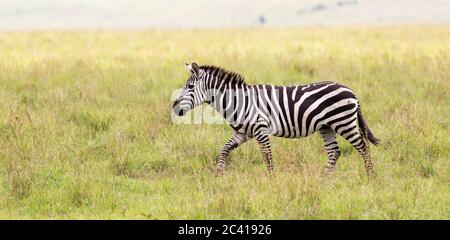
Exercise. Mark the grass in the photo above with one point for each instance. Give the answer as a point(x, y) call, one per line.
point(86, 130)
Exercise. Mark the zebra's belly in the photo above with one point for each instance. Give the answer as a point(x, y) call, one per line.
point(291, 132)
point(285, 131)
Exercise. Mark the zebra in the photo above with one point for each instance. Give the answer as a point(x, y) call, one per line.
point(260, 111)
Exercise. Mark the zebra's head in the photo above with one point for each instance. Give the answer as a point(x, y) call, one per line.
point(193, 93)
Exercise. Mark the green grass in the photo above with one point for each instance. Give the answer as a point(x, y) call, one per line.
point(86, 130)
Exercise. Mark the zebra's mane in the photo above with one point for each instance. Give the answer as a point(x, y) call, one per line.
point(224, 75)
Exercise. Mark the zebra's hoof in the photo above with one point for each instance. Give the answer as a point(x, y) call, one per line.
point(327, 172)
point(219, 172)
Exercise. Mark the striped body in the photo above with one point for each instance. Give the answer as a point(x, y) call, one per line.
point(290, 111)
point(259, 111)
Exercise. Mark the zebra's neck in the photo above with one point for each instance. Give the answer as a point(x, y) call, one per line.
point(227, 96)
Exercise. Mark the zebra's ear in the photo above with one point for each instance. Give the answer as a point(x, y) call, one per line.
point(193, 68)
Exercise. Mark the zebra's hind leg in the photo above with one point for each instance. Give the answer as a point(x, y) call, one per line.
point(236, 140)
point(331, 146)
point(264, 145)
point(355, 138)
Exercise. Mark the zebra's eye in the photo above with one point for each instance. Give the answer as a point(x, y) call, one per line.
point(191, 86)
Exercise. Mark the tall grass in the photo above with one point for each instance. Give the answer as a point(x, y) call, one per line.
point(86, 132)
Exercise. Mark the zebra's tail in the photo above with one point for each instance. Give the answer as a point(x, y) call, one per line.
point(365, 130)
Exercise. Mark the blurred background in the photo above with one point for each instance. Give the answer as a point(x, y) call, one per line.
point(169, 14)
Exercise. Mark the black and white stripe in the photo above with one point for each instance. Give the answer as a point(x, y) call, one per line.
point(258, 111)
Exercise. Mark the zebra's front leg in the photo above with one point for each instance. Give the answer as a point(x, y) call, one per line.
point(264, 145)
point(234, 142)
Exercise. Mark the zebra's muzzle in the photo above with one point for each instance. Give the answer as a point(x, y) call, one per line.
point(176, 108)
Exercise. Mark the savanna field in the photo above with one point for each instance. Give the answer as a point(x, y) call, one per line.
point(86, 130)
